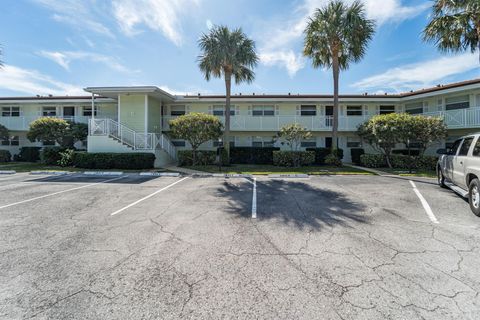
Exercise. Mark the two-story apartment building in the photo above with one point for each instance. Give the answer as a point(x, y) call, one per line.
point(135, 119)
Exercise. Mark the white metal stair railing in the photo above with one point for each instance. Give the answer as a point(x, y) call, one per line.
point(121, 133)
point(162, 142)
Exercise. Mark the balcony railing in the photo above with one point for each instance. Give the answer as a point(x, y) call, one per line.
point(23, 122)
point(456, 119)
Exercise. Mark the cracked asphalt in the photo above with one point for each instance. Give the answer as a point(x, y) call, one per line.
point(330, 247)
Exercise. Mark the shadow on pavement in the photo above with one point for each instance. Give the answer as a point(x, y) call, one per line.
point(294, 203)
point(126, 179)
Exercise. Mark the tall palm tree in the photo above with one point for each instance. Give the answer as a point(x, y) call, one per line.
point(227, 54)
point(336, 36)
point(455, 25)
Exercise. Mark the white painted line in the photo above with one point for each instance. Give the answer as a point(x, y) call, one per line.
point(59, 192)
point(425, 204)
point(149, 196)
point(254, 199)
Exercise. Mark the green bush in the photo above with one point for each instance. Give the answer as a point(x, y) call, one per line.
point(5, 156)
point(373, 160)
point(28, 154)
point(356, 154)
point(204, 157)
point(333, 160)
point(129, 161)
point(252, 155)
point(66, 158)
point(321, 153)
point(51, 155)
point(293, 158)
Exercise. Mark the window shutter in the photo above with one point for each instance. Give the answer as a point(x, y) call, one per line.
point(297, 110)
point(276, 110)
point(210, 109)
point(249, 110)
point(237, 110)
point(365, 110)
point(249, 141)
point(187, 109)
point(341, 111)
point(39, 111)
point(377, 109)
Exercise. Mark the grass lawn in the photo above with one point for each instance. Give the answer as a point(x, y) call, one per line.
point(36, 166)
point(270, 169)
point(415, 173)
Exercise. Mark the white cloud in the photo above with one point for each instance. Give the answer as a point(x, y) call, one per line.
point(284, 35)
point(159, 15)
point(64, 58)
point(209, 24)
point(80, 14)
point(421, 74)
point(33, 82)
point(288, 59)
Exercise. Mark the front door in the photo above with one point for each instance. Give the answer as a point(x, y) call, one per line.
point(69, 113)
point(328, 116)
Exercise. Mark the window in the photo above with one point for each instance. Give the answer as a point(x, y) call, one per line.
point(455, 103)
point(263, 142)
point(414, 108)
point(177, 110)
point(354, 110)
point(454, 148)
point(386, 109)
point(476, 149)
point(49, 111)
point(308, 110)
point(219, 110)
point(13, 141)
point(87, 111)
point(328, 142)
point(10, 111)
point(467, 142)
point(216, 144)
point(311, 143)
point(263, 111)
point(178, 143)
point(48, 143)
point(354, 142)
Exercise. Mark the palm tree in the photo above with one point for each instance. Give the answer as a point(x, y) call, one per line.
point(227, 53)
point(455, 25)
point(336, 36)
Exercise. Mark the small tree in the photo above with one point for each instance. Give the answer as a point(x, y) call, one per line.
point(428, 130)
point(196, 128)
point(66, 134)
point(4, 134)
point(293, 134)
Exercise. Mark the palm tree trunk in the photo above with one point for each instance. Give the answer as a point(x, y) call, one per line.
point(336, 73)
point(226, 134)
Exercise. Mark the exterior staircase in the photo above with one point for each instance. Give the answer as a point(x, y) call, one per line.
point(108, 135)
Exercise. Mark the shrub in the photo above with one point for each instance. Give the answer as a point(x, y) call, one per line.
point(321, 153)
point(5, 156)
point(293, 158)
point(356, 153)
point(373, 160)
point(203, 157)
point(51, 155)
point(252, 155)
point(333, 160)
point(127, 161)
point(66, 158)
point(28, 154)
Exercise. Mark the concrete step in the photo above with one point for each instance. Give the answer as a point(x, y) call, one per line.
point(457, 189)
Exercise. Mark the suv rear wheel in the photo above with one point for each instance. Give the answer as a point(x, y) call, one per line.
point(440, 178)
point(474, 196)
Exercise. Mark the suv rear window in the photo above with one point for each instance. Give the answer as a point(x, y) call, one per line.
point(467, 142)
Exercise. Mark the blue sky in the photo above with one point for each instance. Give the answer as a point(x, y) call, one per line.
point(61, 46)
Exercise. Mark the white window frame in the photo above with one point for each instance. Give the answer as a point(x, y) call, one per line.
point(415, 106)
point(354, 109)
point(391, 109)
point(309, 143)
point(49, 113)
point(263, 142)
point(8, 111)
point(261, 110)
point(178, 107)
point(219, 110)
point(354, 142)
point(313, 109)
point(12, 141)
point(179, 143)
point(457, 102)
point(87, 110)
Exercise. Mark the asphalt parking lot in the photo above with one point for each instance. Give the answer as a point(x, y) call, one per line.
point(329, 247)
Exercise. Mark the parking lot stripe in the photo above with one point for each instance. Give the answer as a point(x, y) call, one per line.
point(59, 192)
point(149, 196)
point(424, 202)
point(254, 199)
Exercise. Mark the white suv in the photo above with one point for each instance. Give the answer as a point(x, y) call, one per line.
point(459, 169)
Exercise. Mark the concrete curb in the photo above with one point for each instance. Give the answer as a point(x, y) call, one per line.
point(8, 171)
point(54, 173)
point(286, 175)
point(103, 173)
point(160, 174)
point(232, 175)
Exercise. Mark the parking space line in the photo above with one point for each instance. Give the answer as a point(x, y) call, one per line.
point(149, 196)
point(59, 192)
point(424, 202)
point(254, 199)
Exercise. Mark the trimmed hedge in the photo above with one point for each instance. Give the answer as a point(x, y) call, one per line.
point(204, 157)
point(28, 154)
point(293, 158)
point(356, 153)
point(51, 155)
point(5, 156)
point(129, 161)
point(399, 161)
point(321, 153)
point(252, 155)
